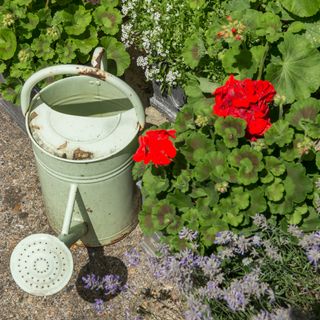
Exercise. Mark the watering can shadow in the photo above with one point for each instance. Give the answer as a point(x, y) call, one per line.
point(100, 265)
point(84, 131)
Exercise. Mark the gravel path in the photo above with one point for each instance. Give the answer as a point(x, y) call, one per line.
point(22, 213)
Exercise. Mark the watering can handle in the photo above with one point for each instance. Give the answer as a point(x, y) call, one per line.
point(73, 69)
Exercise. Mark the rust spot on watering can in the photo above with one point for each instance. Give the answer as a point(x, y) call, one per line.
point(34, 127)
point(32, 115)
point(79, 154)
point(63, 146)
point(93, 72)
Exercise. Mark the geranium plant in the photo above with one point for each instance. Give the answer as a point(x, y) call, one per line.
point(245, 153)
point(185, 42)
point(37, 34)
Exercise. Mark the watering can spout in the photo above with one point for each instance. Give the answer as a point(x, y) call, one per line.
point(42, 264)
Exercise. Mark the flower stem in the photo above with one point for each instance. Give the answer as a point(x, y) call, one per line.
point(261, 66)
point(47, 4)
point(280, 111)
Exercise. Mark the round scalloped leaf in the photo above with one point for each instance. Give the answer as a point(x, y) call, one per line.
point(248, 161)
point(302, 8)
point(298, 214)
point(258, 202)
point(240, 198)
point(266, 177)
point(307, 109)
point(86, 45)
point(193, 50)
point(312, 221)
point(153, 184)
point(145, 218)
point(312, 130)
point(108, 19)
point(163, 213)
point(42, 47)
point(78, 21)
point(182, 181)
point(283, 207)
point(175, 225)
point(275, 191)
point(109, 3)
point(116, 52)
point(190, 217)
point(296, 74)
point(8, 44)
point(179, 199)
point(208, 233)
point(279, 133)
point(197, 146)
point(318, 160)
point(196, 4)
point(231, 129)
point(275, 166)
point(297, 184)
point(185, 119)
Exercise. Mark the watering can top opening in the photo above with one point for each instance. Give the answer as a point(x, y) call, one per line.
point(88, 116)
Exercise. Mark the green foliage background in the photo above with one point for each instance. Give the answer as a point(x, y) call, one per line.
point(36, 34)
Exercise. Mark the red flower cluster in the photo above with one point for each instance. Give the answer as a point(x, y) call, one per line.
point(156, 147)
point(246, 99)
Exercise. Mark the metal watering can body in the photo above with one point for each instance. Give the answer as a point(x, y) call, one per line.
point(84, 132)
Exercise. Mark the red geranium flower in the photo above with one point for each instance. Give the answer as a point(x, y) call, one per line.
point(246, 99)
point(156, 147)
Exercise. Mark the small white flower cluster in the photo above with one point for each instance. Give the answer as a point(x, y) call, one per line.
point(126, 34)
point(172, 76)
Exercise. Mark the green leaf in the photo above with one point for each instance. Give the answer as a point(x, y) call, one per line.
point(193, 50)
point(275, 191)
point(42, 47)
point(108, 19)
point(318, 160)
point(240, 198)
point(297, 184)
point(208, 233)
point(179, 199)
point(116, 52)
point(275, 166)
point(182, 181)
point(197, 146)
point(163, 213)
point(279, 133)
point(231, 129)
point(66, 51)
point(298, 214)
point(138, 170)
point(196, 4)
point(296, 27)
point(301, 8)
point(86, 45)
point(312, 33)
point(185, 119)
point(268, 24)
point(258, 202)
point(31, 21)
point(153, 184)
point(207, 86)
point(297, 73)
point(302, 110)
point(249, 163)
point(8, 44)
point(311, 222)
point(78, 22)
point(266, 177)
point(146, 222)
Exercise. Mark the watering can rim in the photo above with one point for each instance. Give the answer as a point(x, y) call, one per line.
point(73, 69)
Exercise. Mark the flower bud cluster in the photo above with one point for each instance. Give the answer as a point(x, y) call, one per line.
point(53, 32)
point(201, 121)
point(305, 146)
point(279, 99)
point(8, 20)
point(24, 55)
point(222, 187)
point(233, 30)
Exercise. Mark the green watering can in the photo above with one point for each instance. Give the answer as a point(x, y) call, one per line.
point(83, 130)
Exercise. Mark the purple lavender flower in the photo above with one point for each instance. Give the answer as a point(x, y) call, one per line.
point(93, 282)
point(224, 237)
point(235, 297)
point(98, 305)
point(260, 221)
point(133, 257)
point(313, 255)
point(197, 310)
point(188, 234)
point(295, 231)
point(112, 284)
point(210, 266)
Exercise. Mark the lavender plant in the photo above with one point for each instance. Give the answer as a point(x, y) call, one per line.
point(269, 276)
